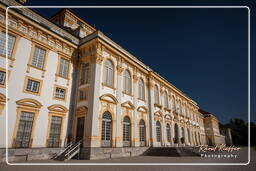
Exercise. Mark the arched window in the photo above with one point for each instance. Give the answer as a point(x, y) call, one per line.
point(173, 104)
point(109, 73)
point(199, 139)
point(141, 89)
point(158, 131)
point(182, 135)
point(127, 82)
point(142, 132)
point(106, 134)
point(189, 138)
point(179, 107)
point(126, 131)
point(165, 100)
point(195, 138)
point(168, 132)
point(156, 94)
point(176, 133)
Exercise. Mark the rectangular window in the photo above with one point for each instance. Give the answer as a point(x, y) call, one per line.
point(84, 74)
point(82, 95)
point(33, 86)
point(60, 93)
point(55, 131)
point(63, 67)
point(11, 41)
point(38, 57)
point(24, 130)
point(2, 77)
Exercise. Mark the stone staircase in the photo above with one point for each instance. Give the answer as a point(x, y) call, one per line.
point(171, 151)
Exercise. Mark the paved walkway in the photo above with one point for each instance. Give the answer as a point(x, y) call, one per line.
point(97, 164)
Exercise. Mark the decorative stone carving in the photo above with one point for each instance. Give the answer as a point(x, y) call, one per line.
point(119, 69)
point(97, 59)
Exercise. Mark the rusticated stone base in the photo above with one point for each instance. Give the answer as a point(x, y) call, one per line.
point(95, 153)
point(23, 154)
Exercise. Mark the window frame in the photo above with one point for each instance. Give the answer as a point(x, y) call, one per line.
point(104, 81)
point(158, 132)
point(156, 96)
point(130, 82)
point(127, 131)
point(61, 55)
point(78, 94)
point(17, 35)
point(142, 89)
point(58, 113)
point(54, 92)
point(86, 75)
point(3, 85)
point(60, 131)
point(34, 79)
point(36, 44)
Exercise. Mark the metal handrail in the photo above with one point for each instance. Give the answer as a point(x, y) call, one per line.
point(72, 149)
point(62, 151)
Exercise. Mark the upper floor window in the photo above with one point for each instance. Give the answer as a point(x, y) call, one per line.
point(156, 94)
point(82, 95)
point(63, 67)
point(11, 41)
point(85, 74)
point(2, 77)
point(38, 57)
point(173, 104)
point(127, 82)
point(33, 86)
point(165, 100)
point(60, 93)
point(109, 73)
point(141, 89)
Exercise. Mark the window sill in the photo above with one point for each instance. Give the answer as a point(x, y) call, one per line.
point(142, 99)
point(32, 66)
point(128, 94)
point(60, 99)
point(105, 85)
point(30, 92)
point(57, 75)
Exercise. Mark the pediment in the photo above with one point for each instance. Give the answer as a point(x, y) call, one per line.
point(109, 98)
point(158, 113)
point(128, 104)
point(82, 109)
point(167, 116)
point(2, 98)
point(57, 108)
point(29, 102)
point(142, 109)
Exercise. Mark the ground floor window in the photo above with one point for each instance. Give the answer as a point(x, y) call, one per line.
point(106, 130)
point(126, 131)
point(158, 131)
point(142, 132)
point(168, 132)
point(55, 131)
point(24, 130)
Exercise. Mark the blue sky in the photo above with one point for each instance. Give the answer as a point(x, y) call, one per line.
point(203, 52)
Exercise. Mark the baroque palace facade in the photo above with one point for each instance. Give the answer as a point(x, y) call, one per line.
point(67, 82)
